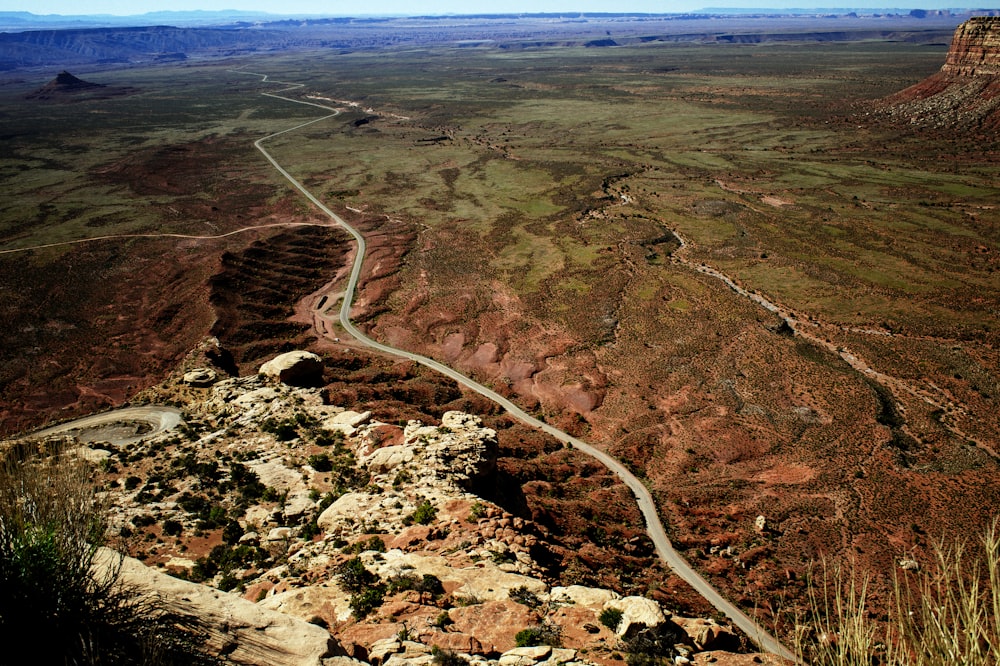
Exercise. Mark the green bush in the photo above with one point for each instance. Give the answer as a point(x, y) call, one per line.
point(543, 634)
point(320, 462)
point(354, 577)
point(54, 599)
point(611, 618)
point(424, 514)
point(366, 601)
point(445, 657)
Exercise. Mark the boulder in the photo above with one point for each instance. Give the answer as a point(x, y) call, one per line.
point(579, 595)
point(326, 601)
point(638, 613)
point(706, 634)
point(295, 368)
point(200, 377)
point(494, 623)
point(240, 630)
point(525, 656)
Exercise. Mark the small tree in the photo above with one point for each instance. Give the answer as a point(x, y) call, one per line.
point(354, 577)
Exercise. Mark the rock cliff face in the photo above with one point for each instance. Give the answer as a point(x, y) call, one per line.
point(975, 48)
point(965, 94)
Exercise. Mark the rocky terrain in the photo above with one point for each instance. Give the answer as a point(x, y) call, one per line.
point(66, 85)
point(305, 532)
point(966, 92)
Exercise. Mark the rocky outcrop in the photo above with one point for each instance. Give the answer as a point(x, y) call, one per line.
point(295, 368)
point(346, 541)
point(244, 632)
point(975, 48)
point(965, 93)
point(200, 377)
point(64, 84)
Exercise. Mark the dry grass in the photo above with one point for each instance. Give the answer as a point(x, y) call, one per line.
point(52, 524)
point(947, 613)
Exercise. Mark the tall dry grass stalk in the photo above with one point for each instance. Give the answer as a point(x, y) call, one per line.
point(947, 613)
point(53, 601)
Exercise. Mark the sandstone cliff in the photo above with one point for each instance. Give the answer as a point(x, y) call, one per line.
point(965, 93)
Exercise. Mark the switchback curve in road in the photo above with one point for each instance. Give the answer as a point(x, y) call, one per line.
point(643, 497)
point(158, 418)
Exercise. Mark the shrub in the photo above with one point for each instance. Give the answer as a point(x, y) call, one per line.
point(445, 657)
point(354, 577)
point(476, 511)
point(523, 595)
point(283, 431)
point(320, 462)
point(54, 598)
point(611, 618)
point(366, 601)
point(424, 514)
point(542, 634)
point(442, 620)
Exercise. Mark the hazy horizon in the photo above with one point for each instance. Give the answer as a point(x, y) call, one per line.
point(401, 7)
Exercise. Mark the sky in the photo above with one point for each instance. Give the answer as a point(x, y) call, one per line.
point(354, 8)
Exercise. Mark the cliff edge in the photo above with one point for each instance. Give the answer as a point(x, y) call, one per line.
point(965, 93)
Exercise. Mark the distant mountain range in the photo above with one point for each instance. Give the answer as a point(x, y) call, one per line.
point(16, 21)
point(60, 42)
point(20, 21)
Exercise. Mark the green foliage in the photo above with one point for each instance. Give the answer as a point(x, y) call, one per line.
point(402, 583)
point(232, 532)
point(247, 482)
point(320, 462)
point(476, 512)
point(310, 530)
point(367, 600)
point(611, 618)
point(424, 514)
point(283, 431)
point(445, 657)
point(442, 620)
point(335, 439)
point(223, 559)
point(542, 634)
point(172, 528)
point(59, 596)
point(373, 543)
point(354, 577)
point(523, 595)
point(430, 584)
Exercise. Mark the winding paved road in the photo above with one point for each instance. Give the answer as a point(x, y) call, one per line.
point(101, 427)
point(642, 495)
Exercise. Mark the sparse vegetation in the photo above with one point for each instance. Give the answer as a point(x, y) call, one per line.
point(54, 597)
point(523, 595)
point(446, 657)
point(945, 613)
point(424, 514)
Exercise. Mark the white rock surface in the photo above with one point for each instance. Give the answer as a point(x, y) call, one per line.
point(295, 368)
point(255, 635)
point(637, 614)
